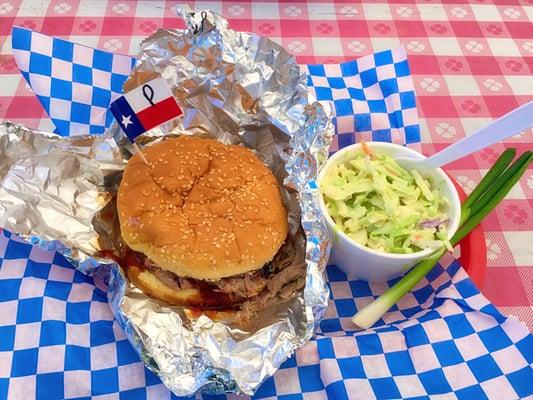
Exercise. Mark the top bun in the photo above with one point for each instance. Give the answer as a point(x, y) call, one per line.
point(201, 209)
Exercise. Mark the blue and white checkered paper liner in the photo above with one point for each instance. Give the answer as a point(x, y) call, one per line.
point(58, 340)
point(373, 96)
point(74, 83)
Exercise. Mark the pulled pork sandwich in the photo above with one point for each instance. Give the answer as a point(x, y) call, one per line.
point(203, 222)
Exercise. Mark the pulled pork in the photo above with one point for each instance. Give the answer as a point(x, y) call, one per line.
point(274, 283)
point(252, 292)
point(246, 285)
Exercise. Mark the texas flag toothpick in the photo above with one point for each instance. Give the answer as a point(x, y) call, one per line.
point(145, 107)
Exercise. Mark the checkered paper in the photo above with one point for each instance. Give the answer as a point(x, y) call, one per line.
point(373, 97)
point(75, 84)
point(58, 340)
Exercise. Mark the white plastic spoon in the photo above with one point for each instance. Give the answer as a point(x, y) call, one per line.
point(510, 124)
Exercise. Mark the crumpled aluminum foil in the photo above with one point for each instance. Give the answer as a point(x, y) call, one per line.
point(238, 88)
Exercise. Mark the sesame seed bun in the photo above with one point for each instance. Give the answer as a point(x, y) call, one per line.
point(201, 209)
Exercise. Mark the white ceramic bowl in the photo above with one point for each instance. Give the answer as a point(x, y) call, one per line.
point(361, 262)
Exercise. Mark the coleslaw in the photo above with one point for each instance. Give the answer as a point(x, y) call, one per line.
point(379, 204)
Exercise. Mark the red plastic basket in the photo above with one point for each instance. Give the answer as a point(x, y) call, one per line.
point(473, 249)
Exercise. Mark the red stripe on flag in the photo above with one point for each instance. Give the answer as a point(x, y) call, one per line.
point(160, 112)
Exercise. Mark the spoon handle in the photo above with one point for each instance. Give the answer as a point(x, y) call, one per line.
point(511, 123)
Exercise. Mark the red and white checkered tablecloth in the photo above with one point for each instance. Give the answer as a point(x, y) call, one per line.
point(470, 62)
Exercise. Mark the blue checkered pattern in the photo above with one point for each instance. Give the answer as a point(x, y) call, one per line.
point(74, 83)
point(373, 97)
point(58, 340)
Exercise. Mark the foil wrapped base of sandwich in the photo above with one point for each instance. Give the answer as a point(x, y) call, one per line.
point(236, 87)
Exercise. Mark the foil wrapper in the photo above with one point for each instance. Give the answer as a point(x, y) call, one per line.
point(236, 87)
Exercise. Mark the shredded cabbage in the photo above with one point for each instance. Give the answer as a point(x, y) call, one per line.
point(379, 204)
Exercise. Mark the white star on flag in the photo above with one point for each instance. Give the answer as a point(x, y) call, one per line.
point(126, 121)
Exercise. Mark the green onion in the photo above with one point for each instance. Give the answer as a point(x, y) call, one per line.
point(489, 196)
point(488, 180)
point(369, 315)
point(499, 182)
point(492, 197)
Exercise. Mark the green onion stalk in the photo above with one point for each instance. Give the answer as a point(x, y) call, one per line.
point(490, 191)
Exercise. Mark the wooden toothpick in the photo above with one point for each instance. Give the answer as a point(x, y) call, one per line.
point(138, 149)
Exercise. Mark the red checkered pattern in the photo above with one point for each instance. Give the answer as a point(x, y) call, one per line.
point(470, 63)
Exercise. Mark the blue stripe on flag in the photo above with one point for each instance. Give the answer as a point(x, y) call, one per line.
point(126, 118)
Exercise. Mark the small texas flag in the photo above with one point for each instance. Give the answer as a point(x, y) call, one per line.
point(145, 107)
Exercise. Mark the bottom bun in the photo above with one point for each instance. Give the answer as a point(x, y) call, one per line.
point(145, 280)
